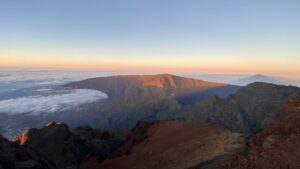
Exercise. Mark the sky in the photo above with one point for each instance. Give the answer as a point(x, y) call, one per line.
point(207, 36)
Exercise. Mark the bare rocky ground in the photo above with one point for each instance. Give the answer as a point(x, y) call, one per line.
point(170, 144)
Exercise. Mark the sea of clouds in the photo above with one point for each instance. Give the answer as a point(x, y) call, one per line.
point(15, 79)
point(39, 104)
point(37, 91)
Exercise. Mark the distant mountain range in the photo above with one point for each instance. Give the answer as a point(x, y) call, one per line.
point(256, 78)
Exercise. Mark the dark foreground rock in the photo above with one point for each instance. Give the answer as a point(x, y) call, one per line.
point(14, 156)
point(66, 148)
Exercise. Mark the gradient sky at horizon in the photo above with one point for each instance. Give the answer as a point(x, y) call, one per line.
point(207, 36)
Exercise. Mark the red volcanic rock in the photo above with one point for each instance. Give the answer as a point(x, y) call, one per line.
point(169, 144)
point(277, 146)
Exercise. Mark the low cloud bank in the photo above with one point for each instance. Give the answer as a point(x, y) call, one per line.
point(36, 105)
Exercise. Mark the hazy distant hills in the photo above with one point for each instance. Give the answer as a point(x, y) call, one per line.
point(256, 78)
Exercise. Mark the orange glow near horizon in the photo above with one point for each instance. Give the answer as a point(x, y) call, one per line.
point(231, 65)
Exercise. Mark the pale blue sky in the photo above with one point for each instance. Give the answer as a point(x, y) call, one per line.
point(117, 31)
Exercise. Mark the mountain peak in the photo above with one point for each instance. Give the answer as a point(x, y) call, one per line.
point(50, 124)
point(260, 75)
point(256, 78)
point(54, 124)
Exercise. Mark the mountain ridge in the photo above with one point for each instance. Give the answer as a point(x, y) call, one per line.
point(170, 84)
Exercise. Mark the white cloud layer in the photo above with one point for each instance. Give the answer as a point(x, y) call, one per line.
point(36, 105)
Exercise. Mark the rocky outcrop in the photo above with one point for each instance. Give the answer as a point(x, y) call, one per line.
point(66, 148)
point(14, 156)
point(277, 146)
point(248, 110)
point(170, 144)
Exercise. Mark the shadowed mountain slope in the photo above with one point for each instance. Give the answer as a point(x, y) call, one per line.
point(170, 144)
point(248, 110)
point(277, 146)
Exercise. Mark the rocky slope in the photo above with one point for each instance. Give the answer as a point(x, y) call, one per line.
point(66, 148)
point(170, 144)
point(277, 146)
point(248, 110)
point(14, 156)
